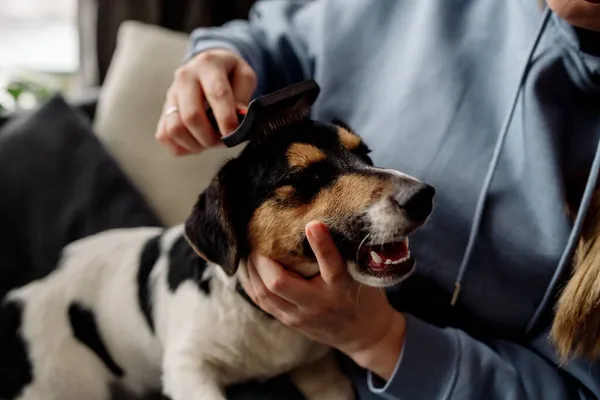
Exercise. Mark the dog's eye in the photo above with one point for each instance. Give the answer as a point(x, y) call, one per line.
point(313, 179)
point(315, 176)
point(318, 172)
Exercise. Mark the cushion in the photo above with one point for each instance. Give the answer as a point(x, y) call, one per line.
point(57, 184)
point(128, 111)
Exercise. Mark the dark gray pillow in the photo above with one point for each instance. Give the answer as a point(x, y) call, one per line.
point(57, 184)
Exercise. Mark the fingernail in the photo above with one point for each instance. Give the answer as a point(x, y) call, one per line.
point(316, 228)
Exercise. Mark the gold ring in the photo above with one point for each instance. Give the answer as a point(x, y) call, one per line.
point(171, 110)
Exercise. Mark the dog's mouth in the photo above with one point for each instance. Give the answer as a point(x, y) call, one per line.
point(388, 258)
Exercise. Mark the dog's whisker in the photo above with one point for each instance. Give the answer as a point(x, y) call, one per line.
point(357, 294)
point(360, 246)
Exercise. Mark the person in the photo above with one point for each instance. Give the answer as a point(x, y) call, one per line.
point(494, 103)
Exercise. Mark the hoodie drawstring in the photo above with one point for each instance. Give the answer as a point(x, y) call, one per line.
point(573, 238)
point(479, 209)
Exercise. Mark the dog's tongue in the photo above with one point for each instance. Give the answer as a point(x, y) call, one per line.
point(381, 257)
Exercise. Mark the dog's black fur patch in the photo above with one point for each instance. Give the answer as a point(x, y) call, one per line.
point(148, 258)
point(185, 264)
point(16, 370)
point(85, 329)
point(208, 228)
point(309, 181)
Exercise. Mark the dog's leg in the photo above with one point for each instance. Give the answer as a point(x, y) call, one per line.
point(186, 374)
point(323, 380)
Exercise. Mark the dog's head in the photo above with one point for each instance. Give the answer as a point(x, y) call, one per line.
point(263, 199)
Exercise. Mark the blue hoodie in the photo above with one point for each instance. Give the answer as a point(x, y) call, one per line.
point(462, 95)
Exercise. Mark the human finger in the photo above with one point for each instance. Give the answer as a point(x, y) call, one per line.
point(331, 264)
point(191, 109)
point(175, 128)
point(217, 89)
point(282, 283)
point(243, 82)
point(267, 300)
point(163, 138)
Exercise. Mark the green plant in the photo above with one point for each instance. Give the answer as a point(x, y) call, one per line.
point(16, 89)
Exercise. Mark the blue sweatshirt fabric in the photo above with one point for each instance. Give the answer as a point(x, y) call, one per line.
point(428, 84)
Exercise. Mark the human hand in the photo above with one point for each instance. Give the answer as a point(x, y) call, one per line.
point(218, 77)
point(583, 14)
point(330, 308)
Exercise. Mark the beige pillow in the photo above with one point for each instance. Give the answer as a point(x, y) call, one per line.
point(130, 104)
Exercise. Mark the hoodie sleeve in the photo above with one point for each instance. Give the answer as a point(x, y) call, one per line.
point(277, 41)
point(449, 364)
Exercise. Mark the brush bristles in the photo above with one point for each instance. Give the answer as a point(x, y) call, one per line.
point(282, 121)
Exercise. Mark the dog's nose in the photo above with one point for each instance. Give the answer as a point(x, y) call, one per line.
point(419, 204)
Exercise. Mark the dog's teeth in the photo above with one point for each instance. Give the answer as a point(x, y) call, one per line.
point(388, 261)
point(376, 257)
point(406, 241)
point(402, 259)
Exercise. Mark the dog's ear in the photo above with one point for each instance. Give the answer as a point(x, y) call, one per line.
point(210, 230)
point(352, 141)
point(342, 124)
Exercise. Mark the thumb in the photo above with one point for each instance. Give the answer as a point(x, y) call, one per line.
point(332, 265)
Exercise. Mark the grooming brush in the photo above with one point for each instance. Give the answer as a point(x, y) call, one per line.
point(271, 112)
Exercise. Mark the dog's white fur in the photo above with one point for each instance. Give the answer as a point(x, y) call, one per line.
point(201, 342)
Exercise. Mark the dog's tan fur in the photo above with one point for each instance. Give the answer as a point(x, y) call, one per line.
point(276, 229)
point(576, 327)
point(348, 139)
point(301, 155)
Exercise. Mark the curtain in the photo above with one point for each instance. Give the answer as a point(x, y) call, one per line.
point(99, 20)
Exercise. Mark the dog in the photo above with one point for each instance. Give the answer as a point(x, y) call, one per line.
point(144, 309)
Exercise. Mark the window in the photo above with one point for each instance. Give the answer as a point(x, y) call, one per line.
point(38, 43)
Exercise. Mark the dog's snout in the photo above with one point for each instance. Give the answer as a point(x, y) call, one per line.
point(418, 204)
